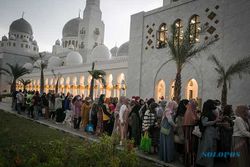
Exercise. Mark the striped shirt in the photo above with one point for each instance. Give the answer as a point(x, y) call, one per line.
point(149, 120)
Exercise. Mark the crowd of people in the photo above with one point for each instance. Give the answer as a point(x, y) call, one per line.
point(181, 131)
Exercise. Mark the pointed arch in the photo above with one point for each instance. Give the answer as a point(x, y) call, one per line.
point(192, 89)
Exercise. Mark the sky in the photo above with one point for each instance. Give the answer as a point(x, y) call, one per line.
point(48, 17)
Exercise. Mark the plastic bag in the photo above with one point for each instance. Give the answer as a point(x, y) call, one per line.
point(89, 128)
point(146, 143)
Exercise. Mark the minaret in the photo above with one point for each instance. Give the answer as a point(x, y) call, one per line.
point(92, 27)
point(92, 9)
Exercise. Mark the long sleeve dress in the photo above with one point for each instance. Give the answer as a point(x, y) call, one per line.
point(208, 143)
point(166, 147)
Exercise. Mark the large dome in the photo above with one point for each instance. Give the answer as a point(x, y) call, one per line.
point(100, 52)
point(74, 58)
point(21, 25)
point(54, 62)
point(123, 49)
point(71, 28)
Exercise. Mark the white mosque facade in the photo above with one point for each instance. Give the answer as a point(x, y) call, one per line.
point(138, 67)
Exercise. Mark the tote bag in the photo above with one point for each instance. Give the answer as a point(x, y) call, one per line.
point(165, 128)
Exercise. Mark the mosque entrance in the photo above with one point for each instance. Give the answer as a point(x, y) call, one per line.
point(161, 90)
point(192, 89)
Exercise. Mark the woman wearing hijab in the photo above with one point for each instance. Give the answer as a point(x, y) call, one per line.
point(241, 138)
point(134, 122)
point(85, 111)
point(178, 118)
point(209, 136)
point(101, 106)
point(190, 140)
point(77, 112)
point(166, 147)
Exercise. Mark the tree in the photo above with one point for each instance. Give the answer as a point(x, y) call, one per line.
point(57, 78)
point(41, 64)
point(15, 71)
point(25, 83)
point(96, 75)
point(182, 51)
point(224, 78)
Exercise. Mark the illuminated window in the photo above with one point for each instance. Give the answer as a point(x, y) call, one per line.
point(178, 34)
point(194, 28)
point(162, 36)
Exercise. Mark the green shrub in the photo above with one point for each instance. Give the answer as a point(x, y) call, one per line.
point(64, 153)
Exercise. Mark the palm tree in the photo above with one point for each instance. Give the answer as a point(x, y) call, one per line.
point(57, 77)
point(183, 51)
point(96, 75)
point(41, 65)
point(25, 83)
point(224, 79)
point(15, 71)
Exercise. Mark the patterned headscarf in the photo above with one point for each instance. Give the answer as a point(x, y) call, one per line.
point(170, 108)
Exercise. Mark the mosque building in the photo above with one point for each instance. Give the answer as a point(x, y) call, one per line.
point(138, 67)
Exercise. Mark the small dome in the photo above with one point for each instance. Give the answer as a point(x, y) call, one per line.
point(21, 25)
point(12, 37)
point(34, 43)
point(71, 47)
point(4, 38)
point(58, 42)
point(123, 49)
point(28, 66)
point(100, 52)
point(114, 51)
point(74, 58)
point(71, 28)
point(54, 62)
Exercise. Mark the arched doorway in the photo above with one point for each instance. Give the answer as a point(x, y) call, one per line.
point(192, 89)
point(161, 90)
point(81, 85)
point(109, 85)
point(61, 85)
point(67, 85)
point(74, 86)
point(121, 85)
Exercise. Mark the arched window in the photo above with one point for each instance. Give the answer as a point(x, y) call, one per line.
point(162, 36)
point(73, 43)
point(194, 28)
point(69, 42)
point(66, 44)
point(178, 36)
